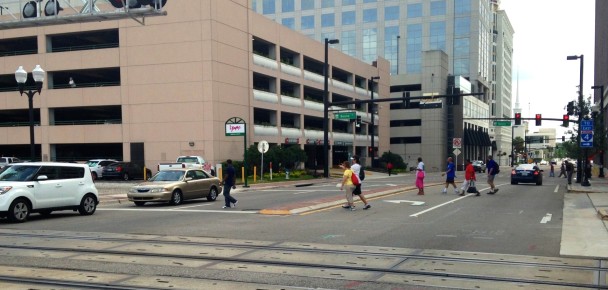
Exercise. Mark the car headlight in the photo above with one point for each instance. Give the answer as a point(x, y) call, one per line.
point(5, 189)
point(132, 190)
point(155, 190)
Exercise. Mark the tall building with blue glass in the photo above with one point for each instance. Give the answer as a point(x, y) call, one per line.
point(475, 37)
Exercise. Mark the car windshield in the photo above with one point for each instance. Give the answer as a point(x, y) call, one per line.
point(19, 173)
point(477, 163)
point(525, 167)
point(187, 159)
point(168, 175)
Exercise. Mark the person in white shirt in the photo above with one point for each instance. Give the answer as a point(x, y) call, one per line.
point(356, 168)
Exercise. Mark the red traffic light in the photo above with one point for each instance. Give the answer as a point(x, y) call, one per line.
point(517, 118)
point(539, 119)
point(566, 121)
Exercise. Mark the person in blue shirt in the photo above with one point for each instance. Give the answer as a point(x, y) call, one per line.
point(450, 174)
point(492, 169)
point(228, 182)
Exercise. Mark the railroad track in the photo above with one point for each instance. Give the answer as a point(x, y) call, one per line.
point(116, 261)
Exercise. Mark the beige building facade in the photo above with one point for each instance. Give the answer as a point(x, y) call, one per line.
point(167, 88)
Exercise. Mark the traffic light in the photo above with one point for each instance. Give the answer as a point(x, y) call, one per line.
point(566, 121)
point(406, 100)
point(517, 119)
point(570, 108)
point(563, 138)
point(539, 119)
point(358, 122)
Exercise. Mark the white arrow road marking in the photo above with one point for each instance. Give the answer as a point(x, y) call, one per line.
point(390, 184)
point(408, 201)
point(546, 218)
point(556, 188)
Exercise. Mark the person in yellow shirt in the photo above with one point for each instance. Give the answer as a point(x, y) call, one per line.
point(347, 185)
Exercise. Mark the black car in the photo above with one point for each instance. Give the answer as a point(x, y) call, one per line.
point(479, 166)
point(527, 173)
point(126, 170)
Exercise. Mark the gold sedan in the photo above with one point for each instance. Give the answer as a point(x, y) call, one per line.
point(175, 186)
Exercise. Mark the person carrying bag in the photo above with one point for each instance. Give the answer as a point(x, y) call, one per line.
point(469, 183)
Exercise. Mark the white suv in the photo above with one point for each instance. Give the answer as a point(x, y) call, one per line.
point(44, 187)
point(97, 166)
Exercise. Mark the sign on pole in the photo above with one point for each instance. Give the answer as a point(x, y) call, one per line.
point(586, 134)
point(457, 142)
point(345, 115)
point(263, 148)
point(236, 126)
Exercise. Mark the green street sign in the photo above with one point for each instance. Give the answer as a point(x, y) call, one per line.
point(345, 115)
point(502, 123)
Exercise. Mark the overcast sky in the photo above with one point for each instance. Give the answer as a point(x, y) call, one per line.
point(546, 32)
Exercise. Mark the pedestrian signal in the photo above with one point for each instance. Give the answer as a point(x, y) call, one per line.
point(570, 108)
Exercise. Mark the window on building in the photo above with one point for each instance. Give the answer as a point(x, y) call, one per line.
point(437, 37)
point(391, 13)
point(462, 7)
point(287, 6)
point(438, 7)
point(461, 66)
point(348, 18)
point(370, 43)
point(414, 10)
point(369, 1)
point(289, 22)
point(348, 40)
point(268, 7)
point(307, 4)
point(370, 15)
point(327, 3)
point(307, 22)
point(414, 48)
point(348, 2)
point(462, 26)
point(390, 46)
point(327, 20)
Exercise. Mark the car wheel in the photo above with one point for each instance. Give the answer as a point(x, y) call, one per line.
point(540, 182)
point(212, 196)
point(88, 205)
point(125, 176)
point(19, 211)
point(94, 175)
point(513, 182)
point(139, 203)
point(176, 197)
point(45, 212)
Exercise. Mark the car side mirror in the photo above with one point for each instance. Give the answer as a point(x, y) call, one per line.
point(42, 177)
point(188, 179)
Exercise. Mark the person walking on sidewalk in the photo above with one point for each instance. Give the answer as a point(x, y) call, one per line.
point(450, 174)
point(228, 182)
point(360, 172)
point(389, 168)
point(562, 170)
point(420, 176)
point(347, 185)
point(552, 172)
point(492, 168)
point(569, 170)
point(469, 179)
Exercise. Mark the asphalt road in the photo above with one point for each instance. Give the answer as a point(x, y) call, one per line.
point(514, 221)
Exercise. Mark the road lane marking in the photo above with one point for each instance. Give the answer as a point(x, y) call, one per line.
point(546, 218)
point(556, 188)
point(446, 236)
point(197, 205)
point(408, 201)
point(438, 206)
point(180, 210)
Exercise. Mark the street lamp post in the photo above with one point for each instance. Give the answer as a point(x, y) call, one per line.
point(372, 104)
point(601, 117)
point(326, 108)
point(579, 164)
point(21, 77)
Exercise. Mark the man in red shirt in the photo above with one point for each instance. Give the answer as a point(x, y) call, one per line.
point(469, 179)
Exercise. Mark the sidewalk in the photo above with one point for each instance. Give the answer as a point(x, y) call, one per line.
point(584, 232)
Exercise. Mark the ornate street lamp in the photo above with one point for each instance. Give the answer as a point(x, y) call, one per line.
point(21, 77)
point(580, 166)
point(326, 108)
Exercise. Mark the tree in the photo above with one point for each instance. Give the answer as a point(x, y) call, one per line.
point(393, 158)
point(519, 145)
point(281, 157)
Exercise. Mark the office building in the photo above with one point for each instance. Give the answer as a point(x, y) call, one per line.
point(168, 86)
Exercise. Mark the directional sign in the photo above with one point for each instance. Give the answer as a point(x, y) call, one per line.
point(586, 134)
point(345, 115)
point(502, 123)
point(406, 201)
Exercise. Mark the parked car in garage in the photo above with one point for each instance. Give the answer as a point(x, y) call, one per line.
point(527, 173)
point(176, 185)
point(479, 166)
point(126, 171)
point(97, 165)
